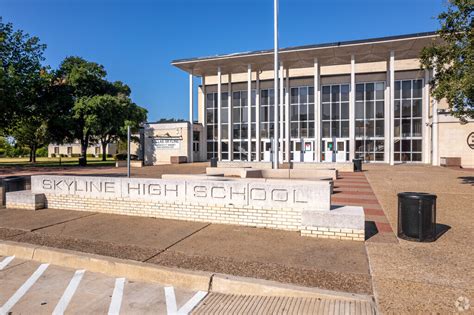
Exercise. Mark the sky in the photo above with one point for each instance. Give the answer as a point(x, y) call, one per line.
point(136, 40)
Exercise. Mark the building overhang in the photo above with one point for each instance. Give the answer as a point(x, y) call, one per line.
point(368, 50)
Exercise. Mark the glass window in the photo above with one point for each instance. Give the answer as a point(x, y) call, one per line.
point(335, 111)
point(408, 125)
point(302, 112)
point(369, 124)
point(326, 90)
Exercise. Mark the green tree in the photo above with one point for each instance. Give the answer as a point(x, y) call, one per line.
point(20, 73)
point(100, 109)
point(453, 59)
point(31, 132)
point(116, 114)
point(83, 80)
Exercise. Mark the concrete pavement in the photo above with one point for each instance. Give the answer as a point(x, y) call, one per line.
point(241, 251)
point(30, 287)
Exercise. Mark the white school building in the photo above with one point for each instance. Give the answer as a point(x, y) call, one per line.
point(365, 99)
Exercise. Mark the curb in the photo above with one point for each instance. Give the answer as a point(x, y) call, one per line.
point(186, 279)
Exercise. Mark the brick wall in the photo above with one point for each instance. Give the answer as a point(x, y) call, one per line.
point(333, 233)
point(255, 216)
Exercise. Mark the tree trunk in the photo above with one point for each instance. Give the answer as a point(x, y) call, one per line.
point(104, 151)
point(84, 145)
point(33, 153)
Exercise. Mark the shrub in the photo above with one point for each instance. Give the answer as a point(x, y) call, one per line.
point(76, 155)
point(123, 157)
point(42, 152)
point(3, 152)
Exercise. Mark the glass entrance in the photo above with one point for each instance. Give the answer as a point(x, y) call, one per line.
point(302, 150)
point(335, 150)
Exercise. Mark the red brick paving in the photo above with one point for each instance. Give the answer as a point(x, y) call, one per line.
point(353, 189)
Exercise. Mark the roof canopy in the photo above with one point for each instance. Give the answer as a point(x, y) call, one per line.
point(368, 50)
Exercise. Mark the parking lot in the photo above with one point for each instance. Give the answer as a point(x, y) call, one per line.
point(29, 287)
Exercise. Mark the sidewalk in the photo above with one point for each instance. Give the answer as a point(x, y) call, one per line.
point(250, 252)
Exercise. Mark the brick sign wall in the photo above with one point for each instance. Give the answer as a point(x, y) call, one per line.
point(264, 203)
point(267, 193)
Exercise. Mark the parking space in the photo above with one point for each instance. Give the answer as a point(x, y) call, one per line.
point(29, 287)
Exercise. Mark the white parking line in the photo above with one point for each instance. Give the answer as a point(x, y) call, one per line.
point(172, 308)
point(116, 301)
point(23, 289)
point(6, 261)
point(68, 293)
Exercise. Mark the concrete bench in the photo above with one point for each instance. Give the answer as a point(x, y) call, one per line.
point(25, 199)
point(179, 159)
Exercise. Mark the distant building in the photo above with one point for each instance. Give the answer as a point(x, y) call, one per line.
point(74, 149)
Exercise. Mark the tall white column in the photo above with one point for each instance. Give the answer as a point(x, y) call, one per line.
point(387, 115)
point(392, 107)
point(435, 126)
point(249, 111)
point(230, 113)
point(219, 110)
point(191, 119)
point(287, 116)
point(426, 113)
point(281, 105)
point(352, 111)
point(203, 148)
point(257, 115)
point(317, 111)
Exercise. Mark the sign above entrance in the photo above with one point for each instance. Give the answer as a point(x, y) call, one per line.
point(169, 143)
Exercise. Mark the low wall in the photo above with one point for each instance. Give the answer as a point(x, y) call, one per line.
point(340, 166)
point(262, 203)
point(255, 164)
point(243, 172)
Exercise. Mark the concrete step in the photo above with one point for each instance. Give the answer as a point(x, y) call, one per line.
point(216, 303)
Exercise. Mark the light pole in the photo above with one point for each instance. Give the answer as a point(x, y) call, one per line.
point(275, 88)
point(128, 151)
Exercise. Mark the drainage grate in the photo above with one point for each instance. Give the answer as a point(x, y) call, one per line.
point(216, 303)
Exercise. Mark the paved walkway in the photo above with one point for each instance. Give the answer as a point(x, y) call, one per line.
point(411, 277)
point(353, 189)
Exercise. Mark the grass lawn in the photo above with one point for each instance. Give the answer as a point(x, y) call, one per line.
point(49, 162)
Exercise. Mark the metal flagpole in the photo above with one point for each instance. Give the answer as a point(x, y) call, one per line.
point(275, 89)
point(128, 151)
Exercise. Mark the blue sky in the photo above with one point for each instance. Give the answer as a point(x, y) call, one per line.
point(137, 40)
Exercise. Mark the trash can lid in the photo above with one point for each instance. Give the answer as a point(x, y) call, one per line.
point(416, 195)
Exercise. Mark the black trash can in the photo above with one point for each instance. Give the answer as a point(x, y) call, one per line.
point(417, 216)
point(357, 165)
point(213, 162)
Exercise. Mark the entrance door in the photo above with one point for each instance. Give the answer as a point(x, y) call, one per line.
point(341, 150)
point(267, 150)
point(308, 151)
point(298, 155)
point(335, 150)
point(329, 150)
